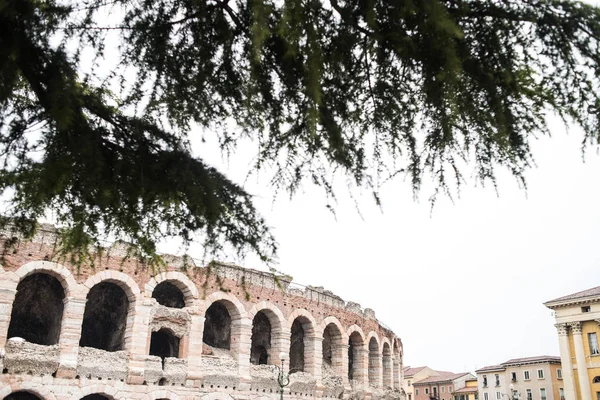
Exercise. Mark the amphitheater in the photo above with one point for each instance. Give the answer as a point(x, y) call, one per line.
point(120, 331)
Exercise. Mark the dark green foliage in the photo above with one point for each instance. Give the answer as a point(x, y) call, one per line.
point(370, 88)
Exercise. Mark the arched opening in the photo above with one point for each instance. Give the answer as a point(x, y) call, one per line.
point(105, 317)
point(163, 344)
point(37, 310)
point(261, 339)
point(374, 363)
point(168, 295)
point(217, 326)
point(388, 367)
point(355, 345)
point(95, 396)
point(597, 379)
point(22, 396)
point(297, 347)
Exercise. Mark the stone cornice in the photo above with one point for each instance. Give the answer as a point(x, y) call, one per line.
point(572, 302)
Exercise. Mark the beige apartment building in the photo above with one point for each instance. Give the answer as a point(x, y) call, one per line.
point(412, 375)
point(531, 378)
point(578, 324)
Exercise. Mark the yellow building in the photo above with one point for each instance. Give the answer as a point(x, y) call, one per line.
point(468, 392)
point(577, 321)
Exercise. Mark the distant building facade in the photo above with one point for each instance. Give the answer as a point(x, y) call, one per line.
point(412, 375)
point(531, 378)
point(442, 386)
point(469, 392)
point(577, 322)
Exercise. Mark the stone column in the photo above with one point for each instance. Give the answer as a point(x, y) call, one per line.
point(70, 334)
point(584, 384)
point(7, 296)
point(396, 371)
point(565, 360)
point(137, 338)
point(388, 371)
point(194, 354)
point(375, 369)
point(313, 356)
point(362, 365)
point(339, 361)
point(241, 341)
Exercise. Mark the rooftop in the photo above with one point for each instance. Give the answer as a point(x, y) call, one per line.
point(408, 371)
point(532, 360)
point(491, 368)
point(578, 296)
point(443, 377)
point(467, 389)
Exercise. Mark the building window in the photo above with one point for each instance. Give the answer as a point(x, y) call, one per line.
point(416, 392)
point(593, 339)
point(410, 396)
point(585, 309)
point(484, 380)
point(543, 394)
point(426, 390)
point(529, 394)
point(513, 376)
point(559, 374)
point(408, 383)
point(526, 375)
point(596, 379)
point(540, 374)
point(498, 396)
point(449, 389)
point(561, 393)
point(485, 396)
point(497, 380)
point(443, 389)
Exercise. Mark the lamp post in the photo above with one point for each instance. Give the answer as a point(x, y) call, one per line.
point(514, 395)
point(283, 379)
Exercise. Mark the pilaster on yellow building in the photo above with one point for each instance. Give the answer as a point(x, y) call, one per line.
point(578, 325)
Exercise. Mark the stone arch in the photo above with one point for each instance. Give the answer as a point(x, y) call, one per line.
point(178, 279)
point(374, 359)
point(269, 328)
point(22, 395)
point(387, 363)
point(162, 394)
point(38, 308)
point(106, 317)
point(217, 396)
point(302, 335)
point(164, 343)
point(234, 306)
point(333, 346)
point(224, 319)
point(131, 291)
point(56, 270)
point(120, 279)
point(28, 387)
point(107, 391)
point(356, 354)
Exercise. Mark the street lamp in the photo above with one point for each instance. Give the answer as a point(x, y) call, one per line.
point(283, 379)
point(513, 393)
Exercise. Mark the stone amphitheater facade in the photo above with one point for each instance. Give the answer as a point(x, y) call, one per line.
point(121, 331)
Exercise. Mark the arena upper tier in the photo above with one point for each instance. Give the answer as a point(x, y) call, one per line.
point(121, 332)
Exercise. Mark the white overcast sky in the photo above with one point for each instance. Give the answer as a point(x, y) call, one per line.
point(462, 286)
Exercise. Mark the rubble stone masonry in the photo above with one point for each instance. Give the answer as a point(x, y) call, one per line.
point(185, 332)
